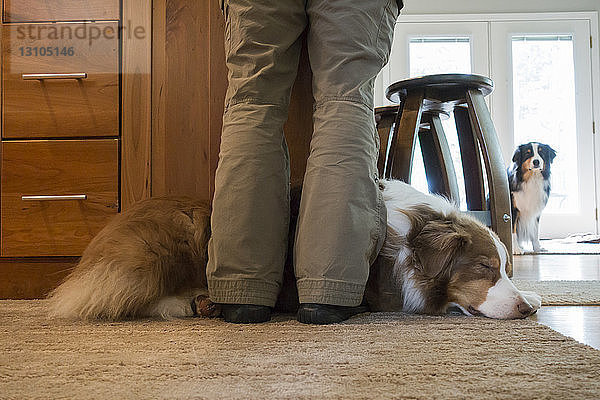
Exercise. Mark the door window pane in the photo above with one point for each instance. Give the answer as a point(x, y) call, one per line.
point(441, 55)
point(544, 109)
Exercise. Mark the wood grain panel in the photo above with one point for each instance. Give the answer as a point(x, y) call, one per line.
point(32, 278)
point(136, 103)
point(189, 81)
point(181, 92)
point(218, 87)
point(60, 10)
point(159, 95)
point(59, 167)
point(60, 107)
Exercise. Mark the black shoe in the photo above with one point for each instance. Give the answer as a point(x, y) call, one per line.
point(322, 314)
point(245, 313)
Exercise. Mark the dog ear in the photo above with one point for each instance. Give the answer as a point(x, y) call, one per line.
point(436, 245)
point(516, 158)
point(551, 153)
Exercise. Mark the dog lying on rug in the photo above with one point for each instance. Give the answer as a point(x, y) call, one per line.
point(150, 261)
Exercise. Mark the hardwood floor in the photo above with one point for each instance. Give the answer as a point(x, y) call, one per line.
point(582, 323)
point(565, 267)
point(579, 322)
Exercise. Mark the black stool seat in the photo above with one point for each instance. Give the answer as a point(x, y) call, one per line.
point(441, 92)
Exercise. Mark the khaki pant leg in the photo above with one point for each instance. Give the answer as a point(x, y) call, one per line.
point(250, 216)
point(342, 219)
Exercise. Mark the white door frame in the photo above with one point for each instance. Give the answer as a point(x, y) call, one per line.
point(553, 224)
point(591, 16)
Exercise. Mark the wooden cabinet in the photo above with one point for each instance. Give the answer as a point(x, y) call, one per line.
point(60, 145)
point(57, 195)
point(60, 80)
point(162, 116)
point(60, 10)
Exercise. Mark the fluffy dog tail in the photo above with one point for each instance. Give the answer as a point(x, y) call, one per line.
point(156, 249)
point(100, 290)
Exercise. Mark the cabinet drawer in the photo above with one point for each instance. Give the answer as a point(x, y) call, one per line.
point(60, 10)
point(60, 80)
point(56, 195)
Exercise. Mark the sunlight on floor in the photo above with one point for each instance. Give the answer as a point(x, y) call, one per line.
point(557, 267)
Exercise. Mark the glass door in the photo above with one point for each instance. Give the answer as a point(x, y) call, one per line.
point(542, 71)
point(432, 48)
point(436, 48)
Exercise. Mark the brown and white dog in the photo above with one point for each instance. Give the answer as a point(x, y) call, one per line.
point(151, 262)
point(435, 256)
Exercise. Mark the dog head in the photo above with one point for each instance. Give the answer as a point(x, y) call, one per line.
point(534, 157)
point(460, 261)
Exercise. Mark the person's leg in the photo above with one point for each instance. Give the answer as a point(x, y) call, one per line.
point(250, 214)
point(342, 218)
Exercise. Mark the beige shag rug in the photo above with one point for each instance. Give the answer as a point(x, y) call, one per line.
point(563, 293)
point(379, 355)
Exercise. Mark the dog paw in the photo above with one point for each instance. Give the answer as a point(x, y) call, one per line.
point(516, 247)
point(206, 308)
point(533, 299)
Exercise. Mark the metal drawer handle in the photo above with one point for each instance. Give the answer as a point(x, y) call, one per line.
point(51, 198)
point(32, 77)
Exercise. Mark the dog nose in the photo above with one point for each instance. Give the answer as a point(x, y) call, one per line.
point(525, 309)
point(536, 163)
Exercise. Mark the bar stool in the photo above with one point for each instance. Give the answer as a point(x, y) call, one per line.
point(423, 103)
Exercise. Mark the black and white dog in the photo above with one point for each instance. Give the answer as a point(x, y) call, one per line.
point(529, 180)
